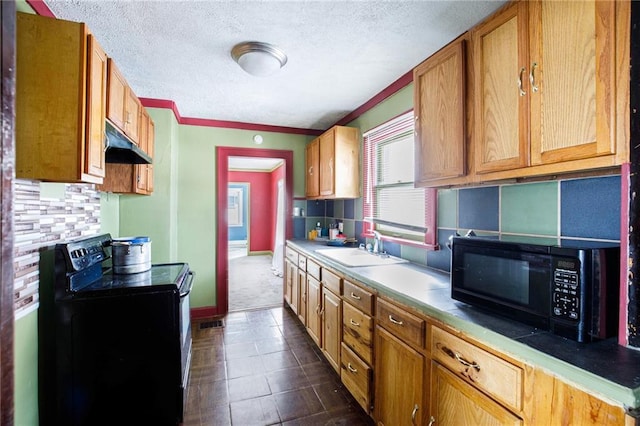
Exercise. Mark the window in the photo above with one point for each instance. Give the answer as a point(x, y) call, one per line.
point(392, 205)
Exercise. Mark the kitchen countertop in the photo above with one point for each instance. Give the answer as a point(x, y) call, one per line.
point(604, 368)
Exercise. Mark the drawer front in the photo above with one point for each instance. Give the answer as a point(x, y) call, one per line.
point(331, 281)
point(292, 255)
point(407, 326)
point(357, 331)
point(302, 262)
point(358, 297)
point(313, 269)
point(497, 377)
point(356, 376)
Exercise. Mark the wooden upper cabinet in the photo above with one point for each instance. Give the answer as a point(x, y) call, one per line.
point(327, 163)
point(572, 80)
point(133, 178)
point(94, 161)
point(439, 107)
point(545, 91)
point(338, 164)
point(123, 106)
point(500, 52)
point(313, 168)
point(144, 172)
point(59, 127)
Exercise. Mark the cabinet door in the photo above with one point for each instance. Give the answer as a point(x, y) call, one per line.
point(94, 163)
point(572, 80)
point(455, 402)
point(116, 96)
point(289, 276)
point(439, 100)
point(313, 168)
point(302, 296)
point(132, 117)
point(331, 327)
point(151, 146)
point(314, 297)
point(398, 382)
point(500, 55)
point(327, 163)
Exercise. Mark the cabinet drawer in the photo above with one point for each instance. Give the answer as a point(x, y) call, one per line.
point(302, 262)
point(331, 281)
point(356, 376)
point(292, 255)
point(408, 327)
point(313, 269)
point(357, 331)
point(358, 297)
point(497, 377)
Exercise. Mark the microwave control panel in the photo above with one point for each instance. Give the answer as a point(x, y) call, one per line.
point(566, 292)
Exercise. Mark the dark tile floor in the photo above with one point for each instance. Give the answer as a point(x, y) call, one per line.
point(262, 368)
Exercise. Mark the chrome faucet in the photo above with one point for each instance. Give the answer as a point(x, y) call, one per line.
point(377, 243)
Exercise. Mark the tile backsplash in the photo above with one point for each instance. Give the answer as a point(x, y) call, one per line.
point(46, 214)
point(546, 212)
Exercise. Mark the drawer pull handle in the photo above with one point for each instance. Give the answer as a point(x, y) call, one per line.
point(413, 414)
point(465, 362)
point(356, 324)
point(350, 368)
point(318, 309)
point(355, 296)
point(458, 357)
point(395, 321)
point(432, 421)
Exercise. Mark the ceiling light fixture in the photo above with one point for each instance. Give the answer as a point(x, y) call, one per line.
point(257, 139)
point(257, 58)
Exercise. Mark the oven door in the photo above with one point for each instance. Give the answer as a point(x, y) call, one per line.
point(503, 278)
point(185, 335)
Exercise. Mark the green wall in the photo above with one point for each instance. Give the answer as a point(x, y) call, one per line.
point(197, 194)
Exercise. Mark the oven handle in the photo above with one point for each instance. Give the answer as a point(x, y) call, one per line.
point(190, 278)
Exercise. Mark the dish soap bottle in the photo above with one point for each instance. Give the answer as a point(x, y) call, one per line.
point(318, 229)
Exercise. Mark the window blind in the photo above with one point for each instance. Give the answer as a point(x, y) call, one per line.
point(390, 198)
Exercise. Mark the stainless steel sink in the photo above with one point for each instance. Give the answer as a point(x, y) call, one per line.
point(358, 257)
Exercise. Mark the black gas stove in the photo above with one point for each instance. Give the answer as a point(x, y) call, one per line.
point(113, 348)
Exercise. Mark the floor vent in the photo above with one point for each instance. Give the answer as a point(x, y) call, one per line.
point(211, 324)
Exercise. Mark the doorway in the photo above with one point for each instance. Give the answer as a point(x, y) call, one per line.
point(256, 234)
point(261, 229)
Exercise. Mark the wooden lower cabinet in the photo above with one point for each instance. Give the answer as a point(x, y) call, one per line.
point(314, 298)
point(399, 381)
point(290, 275)
point(356, 376)
point(302, 296)
point(455, 402)
point(406, 368)
point(331, 327)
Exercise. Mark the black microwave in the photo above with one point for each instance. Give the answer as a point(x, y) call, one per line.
point(572, 291)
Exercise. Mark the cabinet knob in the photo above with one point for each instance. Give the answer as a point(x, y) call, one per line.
point(432, 421)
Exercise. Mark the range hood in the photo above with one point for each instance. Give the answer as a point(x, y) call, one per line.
point(119, 149)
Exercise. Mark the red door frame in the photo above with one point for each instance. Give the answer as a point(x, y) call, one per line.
point(222, 259)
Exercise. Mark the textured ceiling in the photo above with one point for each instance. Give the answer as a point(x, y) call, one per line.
point(340, 53)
